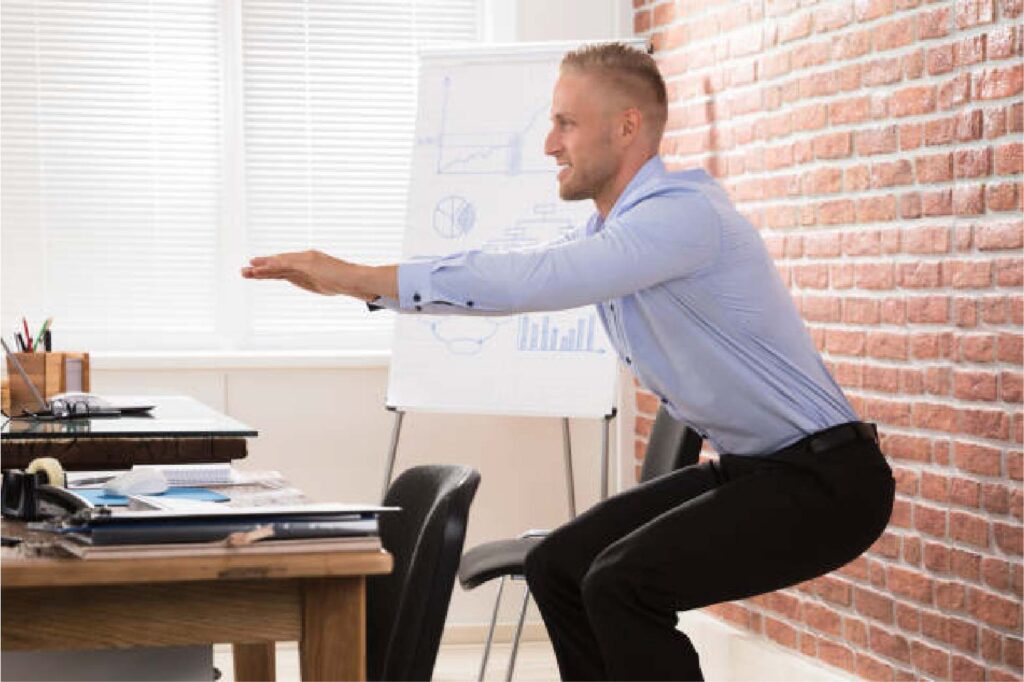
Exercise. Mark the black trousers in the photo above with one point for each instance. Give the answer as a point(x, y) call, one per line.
point(610, 583)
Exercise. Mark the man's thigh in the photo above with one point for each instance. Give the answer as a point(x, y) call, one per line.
point(750, 535)
point(573, 546)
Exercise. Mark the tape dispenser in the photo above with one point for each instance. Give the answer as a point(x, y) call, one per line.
point(38, 492)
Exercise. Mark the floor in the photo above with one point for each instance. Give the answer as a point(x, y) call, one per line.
point(455, 662)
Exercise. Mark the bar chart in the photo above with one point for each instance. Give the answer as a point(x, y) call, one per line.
point(548, 333)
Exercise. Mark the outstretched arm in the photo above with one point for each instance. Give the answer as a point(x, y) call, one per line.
point(323, 274)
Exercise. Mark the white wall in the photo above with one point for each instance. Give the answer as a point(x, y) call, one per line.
point(324, 426)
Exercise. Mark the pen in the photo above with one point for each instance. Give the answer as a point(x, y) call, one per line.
point(42, 331)
point(46, 341)
point(28, 335)
point(20, 341)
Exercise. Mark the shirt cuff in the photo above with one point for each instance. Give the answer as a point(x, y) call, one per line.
point(382, 303)
point(414, 284)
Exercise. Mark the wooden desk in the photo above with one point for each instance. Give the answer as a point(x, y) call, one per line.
point(250, 600)
point(179, 430)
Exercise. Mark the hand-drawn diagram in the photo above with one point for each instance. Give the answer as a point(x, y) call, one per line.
point(464, 335)
point(489, 152)
point(546, 335)
point(454, 216)
point(543, 226)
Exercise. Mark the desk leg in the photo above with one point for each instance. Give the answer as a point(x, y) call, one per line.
point(254, 662)
point(333, 640)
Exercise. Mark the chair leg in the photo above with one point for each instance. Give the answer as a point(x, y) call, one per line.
point(490, 631)
point(519, 633)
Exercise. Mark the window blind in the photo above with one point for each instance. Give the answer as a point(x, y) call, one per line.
point(120, 144)
point(110, 124)
point(330, 104)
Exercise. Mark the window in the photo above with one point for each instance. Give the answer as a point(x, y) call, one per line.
point(148, 148)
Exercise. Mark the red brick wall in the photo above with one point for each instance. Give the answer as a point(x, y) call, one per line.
point(877, 146)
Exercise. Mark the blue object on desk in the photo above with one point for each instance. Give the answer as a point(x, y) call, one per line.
point(98, 496)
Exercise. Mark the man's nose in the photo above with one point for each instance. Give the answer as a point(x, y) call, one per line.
point(551, 145)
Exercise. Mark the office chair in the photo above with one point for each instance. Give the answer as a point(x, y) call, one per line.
point(406, 609)
point(672, 445)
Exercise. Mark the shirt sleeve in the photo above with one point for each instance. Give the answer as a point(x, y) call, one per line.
point(663, 237)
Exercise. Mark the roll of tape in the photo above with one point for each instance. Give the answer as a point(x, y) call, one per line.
point(51, 467)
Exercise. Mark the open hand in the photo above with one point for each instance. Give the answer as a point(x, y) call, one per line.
point(311, 270)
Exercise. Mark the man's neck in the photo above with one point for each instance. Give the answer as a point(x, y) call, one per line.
point(606, 198)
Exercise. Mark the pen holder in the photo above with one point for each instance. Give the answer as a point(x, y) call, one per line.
point(50, 373)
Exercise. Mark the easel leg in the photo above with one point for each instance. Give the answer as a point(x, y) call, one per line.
point(396, 429)
point(605, 426)
point(567, 449)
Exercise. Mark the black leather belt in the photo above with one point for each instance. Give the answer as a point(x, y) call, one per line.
point(837, 436)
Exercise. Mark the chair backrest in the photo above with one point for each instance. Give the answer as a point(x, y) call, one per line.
point(672, 445)
point(406, 609)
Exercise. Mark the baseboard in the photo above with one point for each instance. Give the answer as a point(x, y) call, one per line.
point(477, 634)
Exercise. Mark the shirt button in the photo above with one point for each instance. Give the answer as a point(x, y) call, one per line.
point(611, 306)
point(469, 303)
point(629, 361)
point(419, 307)
point(416, 297)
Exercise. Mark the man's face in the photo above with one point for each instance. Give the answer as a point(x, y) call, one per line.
point(581, 139)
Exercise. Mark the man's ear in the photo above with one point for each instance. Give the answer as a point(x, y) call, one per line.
point(629, 124)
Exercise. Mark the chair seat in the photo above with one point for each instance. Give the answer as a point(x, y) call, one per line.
point(495, 559)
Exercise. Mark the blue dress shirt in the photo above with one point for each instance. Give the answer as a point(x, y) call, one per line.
point(690, 300)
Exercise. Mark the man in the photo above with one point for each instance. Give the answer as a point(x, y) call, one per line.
point(693, 305)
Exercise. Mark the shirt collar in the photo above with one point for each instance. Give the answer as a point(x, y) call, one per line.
point(653, 168)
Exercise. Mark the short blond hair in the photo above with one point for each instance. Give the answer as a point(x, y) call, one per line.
point(631, 72)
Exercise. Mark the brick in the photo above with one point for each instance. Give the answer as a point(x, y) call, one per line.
point(996, 498)
point(910, 584)
point(996, 83)
point(881, 72)
point(970, 50)
point(930, 660)
point(939, 60)
point(1003, 196)
point(972, 163)
point(856, 110)
point(878, 141)
point(1010, 348)
point(891, 173)
point(795, 28)
point(925, 240)
point(860, 311)
point(822, 619)
point(1009, 538)
point(994, 609)
point(834, 590)
point(977, 459)
point(930, 521)
point(936, 557)
point(851, 45)
point(822, 181)
point(951, 596)
point(937, 203)
point(876, 209)
point(974, 385)
point(966, 669)
point(856, 178)
point(1009, 272)
point(1003, 42)
point(928, 310)
point(969, 199)
point(984, 423)
point(969, 125)
point(965, 312)
point(969, 528)
point(912, 101)
point(934, 487)
point(954, 92)
point(991, 646)
point(974, 12)
point(894, 34)
point(812, 117)
point(888, 644)
point(836, 212)
point(1009, 159)
point(877, 276)
point(940, 131)
point(836, 654)
point(967, 274)
point(780, 632)
point(934, 168)
point(1011, 390)
point(866, 10)
point(934, 24)
point(832, 146)
point(919, 275)
point(1000, 236)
